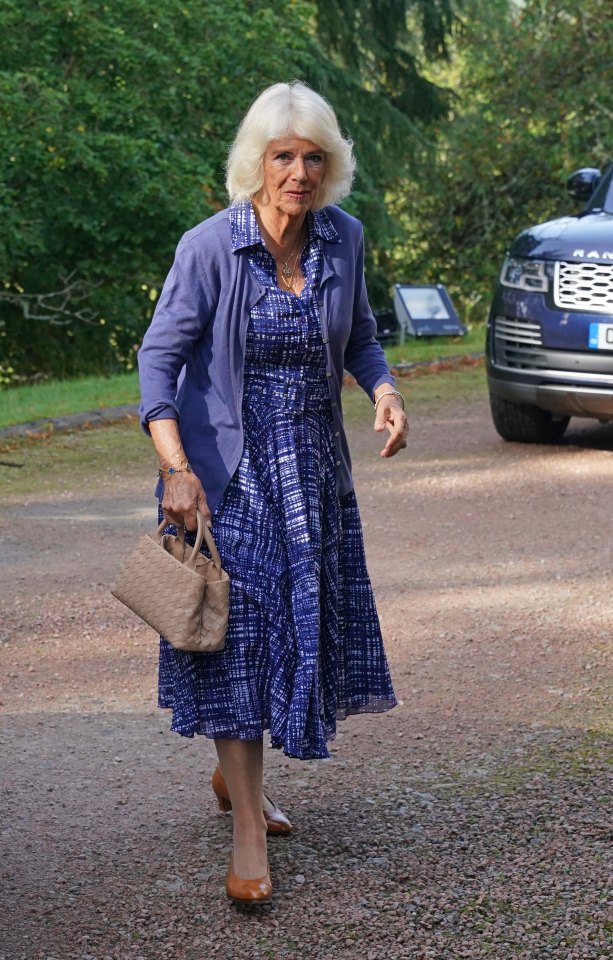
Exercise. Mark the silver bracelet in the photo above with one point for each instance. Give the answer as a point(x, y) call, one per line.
point(389, 393)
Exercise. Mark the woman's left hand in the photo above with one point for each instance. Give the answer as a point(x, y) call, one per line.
point(391, 416)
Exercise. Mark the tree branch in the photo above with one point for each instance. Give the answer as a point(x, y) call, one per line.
point(60, 307)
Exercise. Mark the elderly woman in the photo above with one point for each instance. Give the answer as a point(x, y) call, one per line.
point(241, 373)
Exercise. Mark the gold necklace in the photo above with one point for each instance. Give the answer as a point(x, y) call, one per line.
point(287, 272)
point(285, 269)
point(289, 280)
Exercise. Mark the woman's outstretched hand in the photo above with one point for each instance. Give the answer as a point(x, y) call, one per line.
point(183, 498)
point(391, 416)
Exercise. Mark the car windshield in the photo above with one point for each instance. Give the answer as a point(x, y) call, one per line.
point(602, 198)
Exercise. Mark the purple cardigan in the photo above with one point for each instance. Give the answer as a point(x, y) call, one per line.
point(192, 357)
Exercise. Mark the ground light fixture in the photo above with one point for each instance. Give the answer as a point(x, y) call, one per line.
point(425, 310)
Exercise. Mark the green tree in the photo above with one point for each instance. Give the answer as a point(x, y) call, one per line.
point(116, 119)
point(375, 72)
point(533, 101)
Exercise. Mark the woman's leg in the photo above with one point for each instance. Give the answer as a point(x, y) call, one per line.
point(241, 763)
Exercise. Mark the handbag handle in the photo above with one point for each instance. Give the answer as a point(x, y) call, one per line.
point(202, 533)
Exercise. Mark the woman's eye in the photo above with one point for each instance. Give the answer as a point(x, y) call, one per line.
point(310, 160)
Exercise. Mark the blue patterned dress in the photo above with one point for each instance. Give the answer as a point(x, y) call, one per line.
point(304, 646)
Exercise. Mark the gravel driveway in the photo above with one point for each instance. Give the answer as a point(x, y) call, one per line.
point(469, 822)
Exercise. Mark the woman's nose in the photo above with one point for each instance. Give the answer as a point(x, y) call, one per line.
point(299, 168)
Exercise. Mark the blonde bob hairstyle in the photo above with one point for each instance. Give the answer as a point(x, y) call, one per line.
point(281, 110)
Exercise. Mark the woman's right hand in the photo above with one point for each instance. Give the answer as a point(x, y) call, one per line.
point(183, 494)
point(183, 497)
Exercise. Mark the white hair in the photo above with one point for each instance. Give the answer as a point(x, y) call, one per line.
point(281, 110)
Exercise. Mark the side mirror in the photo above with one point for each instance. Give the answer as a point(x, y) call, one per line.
point(582, 183)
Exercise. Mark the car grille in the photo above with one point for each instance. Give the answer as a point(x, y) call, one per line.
point(584, 286)
point(517, 343)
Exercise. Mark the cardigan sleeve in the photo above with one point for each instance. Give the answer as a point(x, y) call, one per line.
point(181, 315)
point(364, 356)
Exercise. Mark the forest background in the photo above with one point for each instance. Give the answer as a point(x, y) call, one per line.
point(116, 118)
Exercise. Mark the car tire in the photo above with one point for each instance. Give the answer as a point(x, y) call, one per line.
point(525, 423)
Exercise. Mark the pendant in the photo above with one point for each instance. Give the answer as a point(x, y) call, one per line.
point(286, 270)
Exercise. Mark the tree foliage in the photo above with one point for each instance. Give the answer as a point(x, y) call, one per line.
point(381, 45)
point(376, 54)
point(116, 120)
point(467, 116)
point(533, 102)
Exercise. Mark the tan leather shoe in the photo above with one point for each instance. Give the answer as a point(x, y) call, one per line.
point(277, 823)
point(242, 890)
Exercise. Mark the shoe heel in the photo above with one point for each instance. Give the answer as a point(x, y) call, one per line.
point(224, 805)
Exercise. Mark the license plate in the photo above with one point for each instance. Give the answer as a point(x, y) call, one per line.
point(601, 336)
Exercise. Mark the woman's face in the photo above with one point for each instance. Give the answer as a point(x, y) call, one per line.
point(293, 173)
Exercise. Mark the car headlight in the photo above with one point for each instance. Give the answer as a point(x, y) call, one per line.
point(524, 274)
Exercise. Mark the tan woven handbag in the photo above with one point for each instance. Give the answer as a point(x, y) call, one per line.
point(186, 599)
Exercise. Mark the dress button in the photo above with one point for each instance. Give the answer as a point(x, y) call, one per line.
point(325, 340)
point(328, 373)
point(337, 434)
point(338, 463)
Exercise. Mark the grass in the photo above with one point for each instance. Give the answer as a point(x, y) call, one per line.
point(415, 349)
point(60, 398)
point(117, 454)
point(57, 464)
point(423, 394)
point(580, 757)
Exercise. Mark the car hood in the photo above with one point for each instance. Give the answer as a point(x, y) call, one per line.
point(588, 237)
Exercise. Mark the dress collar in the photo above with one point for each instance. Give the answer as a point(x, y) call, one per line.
point(320, 224)
point(246, 232)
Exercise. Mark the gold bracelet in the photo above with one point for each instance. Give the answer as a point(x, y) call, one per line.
point(389, 393)
point(177, 455)
point(165, 464)
point(172, 470)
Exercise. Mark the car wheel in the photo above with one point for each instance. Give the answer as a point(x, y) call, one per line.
point(525, 423)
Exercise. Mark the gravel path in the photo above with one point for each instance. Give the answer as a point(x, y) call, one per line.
point(469, 822)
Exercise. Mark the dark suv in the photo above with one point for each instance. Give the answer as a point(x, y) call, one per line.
point(549, 349)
